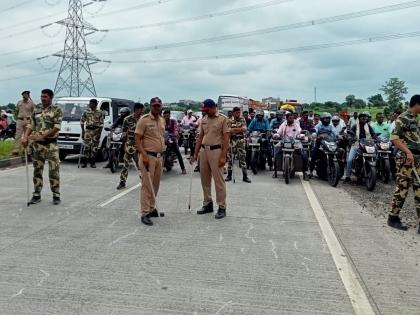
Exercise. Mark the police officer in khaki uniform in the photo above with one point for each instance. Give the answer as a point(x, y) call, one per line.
point(24, 111)
point(213, 145)
point(150, 143)
point(406, 137)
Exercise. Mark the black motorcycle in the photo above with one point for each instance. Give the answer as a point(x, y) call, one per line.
point(115, 147)
point(169, 156)
point(258, 142)
point(364, 164)
point(9, 132)
point(329, 160)
point(384, 147)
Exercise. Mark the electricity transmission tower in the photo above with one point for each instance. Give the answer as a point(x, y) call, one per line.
point(75, 77)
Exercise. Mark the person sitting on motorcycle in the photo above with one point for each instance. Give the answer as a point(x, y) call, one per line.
point(188, 120)
point(124, 113)
point(362, 130)
point(172, 129)
point(276, 122)
point(338, 125)
point(291, 129)
point(3, 122)
point(380, 127)
point(305, 122)
point(323, 127)
point(259, 123)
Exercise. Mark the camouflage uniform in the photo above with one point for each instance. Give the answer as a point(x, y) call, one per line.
point(47, 149)
point(129, 126)
point(94, 122)
point(237, 142)
point(407, 129)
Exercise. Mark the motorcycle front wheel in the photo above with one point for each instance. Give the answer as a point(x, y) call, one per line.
point(333, 173)
point(113, 161)
point(386, 171)
point(254, 162)
point(370, 177)
point(286, 170)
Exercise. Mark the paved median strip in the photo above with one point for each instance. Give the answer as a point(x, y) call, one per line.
point(357, 295)
point(122, 194)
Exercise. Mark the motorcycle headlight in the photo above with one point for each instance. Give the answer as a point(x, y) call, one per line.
point(370, 150)
point(332, 146)
point(116, 136)
point(288, 145)
point(254, 140)
point(384, 146)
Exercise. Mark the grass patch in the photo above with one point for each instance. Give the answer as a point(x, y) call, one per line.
point(6, 148)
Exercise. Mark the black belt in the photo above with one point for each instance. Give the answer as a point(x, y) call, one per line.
point(211, 147)
point(92, 127)
point(47, 141)
point(154, 154)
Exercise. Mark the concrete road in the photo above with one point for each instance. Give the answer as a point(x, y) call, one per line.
point(283, 249)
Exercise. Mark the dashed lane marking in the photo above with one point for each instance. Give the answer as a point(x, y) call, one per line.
point(122, 194)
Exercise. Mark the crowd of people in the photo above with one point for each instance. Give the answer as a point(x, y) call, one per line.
point(219, 140)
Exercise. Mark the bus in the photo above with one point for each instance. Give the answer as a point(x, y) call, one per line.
point(228, 102)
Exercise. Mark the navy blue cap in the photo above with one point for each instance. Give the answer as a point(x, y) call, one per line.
point(208, 103)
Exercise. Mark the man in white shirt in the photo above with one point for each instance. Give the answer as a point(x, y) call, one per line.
point(188, 120)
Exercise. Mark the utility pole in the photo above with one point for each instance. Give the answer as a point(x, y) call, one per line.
point(315, 98)
point(75, 77)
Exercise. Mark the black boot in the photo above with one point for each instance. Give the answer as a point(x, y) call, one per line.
point(395, 222)
point(245, 177)
point(121, 185)
point(206, 209)
point(145, 219)
point(418, 231)
point(35, 200)
point(92, 163)
point(84, 163)
point(221, 213)
point(56, 201)
point(229, 176)
point(154, 214)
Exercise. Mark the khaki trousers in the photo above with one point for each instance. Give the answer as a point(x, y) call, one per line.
point(147, 199)
point(209, 167)
point(20, 129)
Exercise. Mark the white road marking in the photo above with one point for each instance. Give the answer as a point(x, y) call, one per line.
point(17, 294)
point(357, 295)
point(46, 275)
point(220, 237)
point(306, 266)
point(224, 306)
point(113, 223)
point(122, 237)
point(273, 249)
point(104, 204)
point(251, 226)
point(295, 245)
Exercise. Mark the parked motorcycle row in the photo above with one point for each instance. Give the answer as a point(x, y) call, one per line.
point(375, 159)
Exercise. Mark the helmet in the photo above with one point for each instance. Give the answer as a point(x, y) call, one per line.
point(259, 112)
point(325, 116)
point(189, 111)
point(364, 114)
point(125, 111)
point(335, 118)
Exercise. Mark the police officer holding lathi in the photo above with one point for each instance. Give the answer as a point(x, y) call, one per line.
point(150, 143)
point(212, 145)
point(238, 128)
point(406, 137)
point(92, 122)
point(129, 128)
point(43, 131)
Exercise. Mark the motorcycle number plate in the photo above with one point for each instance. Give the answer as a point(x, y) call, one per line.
point(66, 146)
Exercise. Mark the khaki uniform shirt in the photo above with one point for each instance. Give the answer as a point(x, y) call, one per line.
point(25, 109)
point(152, 130)
point(92, 118)
point(46, 119)
point(407, 129)
point(213, 129)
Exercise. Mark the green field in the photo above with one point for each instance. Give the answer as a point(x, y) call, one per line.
point(6, 147)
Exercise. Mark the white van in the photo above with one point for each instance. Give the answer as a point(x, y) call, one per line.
point(69, 138)
point(228, 102)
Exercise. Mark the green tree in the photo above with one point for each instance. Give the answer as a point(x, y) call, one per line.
point(359, 103)
point(376, 101)
point(395, 91)
point(350, 100)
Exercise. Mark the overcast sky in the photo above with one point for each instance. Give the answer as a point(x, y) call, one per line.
point(336, 72)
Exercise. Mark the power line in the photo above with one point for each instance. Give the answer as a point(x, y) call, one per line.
point(30, 48)
point(280, 28)
point(200, 17)
point(281, 51)
point(21, 4)
point(136, 7)
point(28, 76)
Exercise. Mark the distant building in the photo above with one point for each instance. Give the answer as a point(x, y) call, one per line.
point(271, 103)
